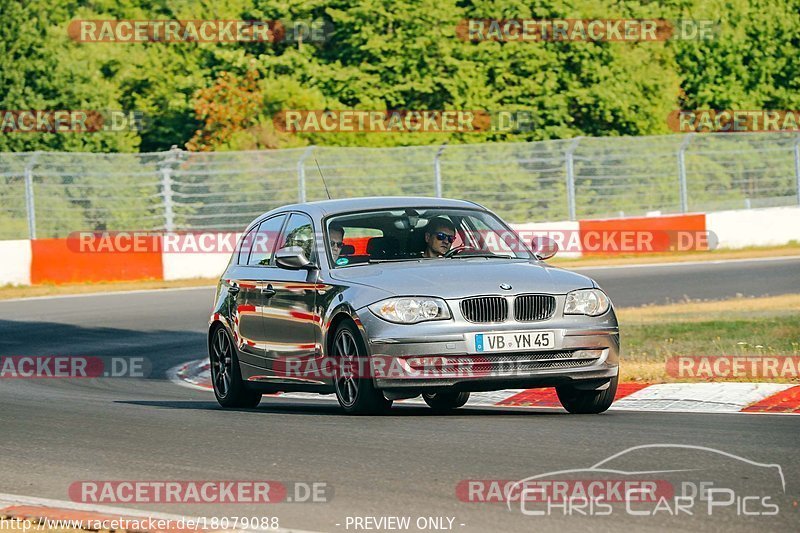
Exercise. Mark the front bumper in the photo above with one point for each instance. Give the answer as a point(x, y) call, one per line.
point(585, 355)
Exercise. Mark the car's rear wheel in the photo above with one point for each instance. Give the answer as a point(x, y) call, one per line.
point(226, 377)
point(355, 388)
point(586, 402)
point(443, 401)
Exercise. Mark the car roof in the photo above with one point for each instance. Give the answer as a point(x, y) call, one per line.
point(323, 208)
point(344, 205)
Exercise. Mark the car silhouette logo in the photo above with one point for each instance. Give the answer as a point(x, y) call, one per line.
point(505, 286)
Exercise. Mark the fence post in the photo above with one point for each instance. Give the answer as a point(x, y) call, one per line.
point(437, 172)
point(684, 193)
point(30, 206)
point(797, 166)
point(301, 175)
point(571, 177)
point(166, 186)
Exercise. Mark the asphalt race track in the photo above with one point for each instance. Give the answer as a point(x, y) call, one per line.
point(665, 283)
point(58, 431)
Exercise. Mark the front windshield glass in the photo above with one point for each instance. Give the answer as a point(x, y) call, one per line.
point(413, 234)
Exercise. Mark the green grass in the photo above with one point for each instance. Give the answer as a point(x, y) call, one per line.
point(741, 326)
point(25, 291)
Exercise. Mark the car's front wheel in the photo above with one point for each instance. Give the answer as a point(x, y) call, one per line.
point(355, 388)
point(443, 401)
point(586, 402)
point(226, 377)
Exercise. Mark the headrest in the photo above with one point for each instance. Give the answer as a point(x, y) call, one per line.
point(382, 247)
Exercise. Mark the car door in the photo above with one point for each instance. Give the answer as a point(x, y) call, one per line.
point(255, 260)
point(290, 317)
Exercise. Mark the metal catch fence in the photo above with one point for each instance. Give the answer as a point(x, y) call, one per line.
point(49, 195)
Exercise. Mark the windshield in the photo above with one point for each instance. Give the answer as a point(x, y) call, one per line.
point(414, 234)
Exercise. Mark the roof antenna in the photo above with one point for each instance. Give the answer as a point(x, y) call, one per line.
point(323, 179)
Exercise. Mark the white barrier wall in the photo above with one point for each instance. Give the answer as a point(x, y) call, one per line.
point(194, 265)
point(15, 266)
point(181, 261)
point(566, 233)
point(771, 226)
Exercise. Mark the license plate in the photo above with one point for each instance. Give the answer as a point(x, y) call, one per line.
point(515, 341)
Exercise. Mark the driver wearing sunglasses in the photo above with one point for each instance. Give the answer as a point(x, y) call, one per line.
point(439, 236)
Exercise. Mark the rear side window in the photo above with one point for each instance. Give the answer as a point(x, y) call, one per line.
point(244, 246)
point(259, 245)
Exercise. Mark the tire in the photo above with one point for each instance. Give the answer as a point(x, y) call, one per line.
point(444, 401)
point(587, 402)
point(355, 392)
point(226, 376)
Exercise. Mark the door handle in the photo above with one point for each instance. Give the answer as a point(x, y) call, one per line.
point(269, 292)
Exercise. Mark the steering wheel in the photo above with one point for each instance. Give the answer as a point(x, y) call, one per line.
point(457, 250)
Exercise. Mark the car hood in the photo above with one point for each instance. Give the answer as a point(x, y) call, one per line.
point(458, 278)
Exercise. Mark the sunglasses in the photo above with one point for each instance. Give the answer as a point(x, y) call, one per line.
point(445, 237)
point(337, 244)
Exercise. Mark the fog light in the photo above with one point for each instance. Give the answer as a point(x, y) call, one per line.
point(588, 354)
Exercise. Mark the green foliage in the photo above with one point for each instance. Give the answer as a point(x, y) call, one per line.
point(394, 54)
point(40, 69)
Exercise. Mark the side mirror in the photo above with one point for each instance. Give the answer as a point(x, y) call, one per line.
point(292, 258)
point(544, 247)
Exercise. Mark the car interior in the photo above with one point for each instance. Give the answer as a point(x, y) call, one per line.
point(388, 235)
point(400, 235)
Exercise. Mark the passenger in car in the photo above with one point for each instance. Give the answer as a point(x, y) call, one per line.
point(336, 240)
point(439, 236)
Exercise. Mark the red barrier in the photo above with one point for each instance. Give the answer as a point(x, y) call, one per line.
point(54, 262)
point(359, 243)
point(642, 235)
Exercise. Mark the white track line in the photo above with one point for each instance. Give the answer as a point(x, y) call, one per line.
point(112, 293)
point(688, 263)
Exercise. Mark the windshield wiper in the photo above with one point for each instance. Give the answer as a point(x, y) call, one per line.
point(469, 256)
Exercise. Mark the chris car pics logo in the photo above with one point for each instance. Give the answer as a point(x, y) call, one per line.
point(679, 480)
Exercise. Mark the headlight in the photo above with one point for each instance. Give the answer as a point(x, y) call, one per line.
point(592, 302)
point(410, 310)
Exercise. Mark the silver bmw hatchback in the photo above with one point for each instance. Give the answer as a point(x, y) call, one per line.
point(383, 299)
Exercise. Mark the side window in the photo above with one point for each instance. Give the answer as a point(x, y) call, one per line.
point(262, 245)
point(245, 246)
point(300, 232)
